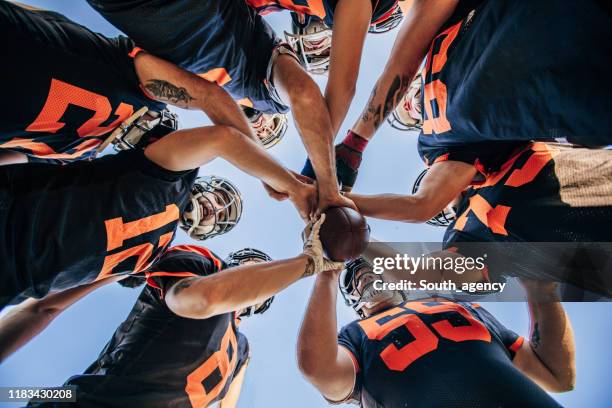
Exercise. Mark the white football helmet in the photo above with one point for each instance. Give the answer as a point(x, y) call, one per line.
point(269, 128)
point(444, 217)
point(311, 40)
point(387, 22)
point(215, 208)
point(408, 115)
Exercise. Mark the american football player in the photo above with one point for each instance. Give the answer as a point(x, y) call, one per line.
point(73, 224)
point(496, 75)
point(431, 351)
point(197, 356)
point(545, 193)
point(228, 43)
point(73, 88)
point(269, 128)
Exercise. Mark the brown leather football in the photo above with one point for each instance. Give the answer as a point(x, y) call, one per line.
point(344, 234)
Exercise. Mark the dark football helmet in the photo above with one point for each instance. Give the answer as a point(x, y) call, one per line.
point(444, 217)
point(311, 41)
point(215, 208)
point(141, 129)
point(269, 127)
point(241, 257)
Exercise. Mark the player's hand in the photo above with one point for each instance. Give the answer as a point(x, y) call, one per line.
point(333, 199)
point(313, 249)
point(304, 197)
point(275, 194)
point(348, 161)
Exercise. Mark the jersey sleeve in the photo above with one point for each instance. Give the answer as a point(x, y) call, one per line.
point(180, 262)
point(511, 341)
point(350, 338)
point(486, 157)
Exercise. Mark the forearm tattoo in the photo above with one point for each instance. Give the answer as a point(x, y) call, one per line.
point(378, 112)
point(168, 92)
point(535, 336)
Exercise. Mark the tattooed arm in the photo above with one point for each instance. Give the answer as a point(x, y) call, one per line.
point(168, 83)
point(549, 356)
point(418, 30)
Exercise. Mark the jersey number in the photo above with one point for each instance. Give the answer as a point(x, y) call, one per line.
point(62, 95)
point(398, 357)
point(207, 381)
point(435, 95)
point(118, 231)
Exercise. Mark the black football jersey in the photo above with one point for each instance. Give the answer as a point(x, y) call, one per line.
point(223, 41)
point(158, 359)
point(545, 193)
point(66, 88)
point(69, 225)
point(509, 72)
point(437, 354)
point(323, 9)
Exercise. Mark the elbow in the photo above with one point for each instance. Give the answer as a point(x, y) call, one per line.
point(565, 384)
point(417, 210)
point(308, 364)
point(194, 306)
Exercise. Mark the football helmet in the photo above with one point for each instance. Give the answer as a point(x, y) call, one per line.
point(358, 295)
point(408, 115)
point(241, 257)
point(141, 129)
point(215, 208)
point(387, 22)
point(311, 39)
point(444, 217)
point(269, 128)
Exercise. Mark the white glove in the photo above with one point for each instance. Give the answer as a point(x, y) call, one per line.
point(313, 249)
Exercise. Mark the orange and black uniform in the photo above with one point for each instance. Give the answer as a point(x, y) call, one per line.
point(507, 72)
point(66, 88)
point(437, 354)
point(323, 9)
point(545, 193)
point(223, 41)
point(65, 226)
point(158, 359)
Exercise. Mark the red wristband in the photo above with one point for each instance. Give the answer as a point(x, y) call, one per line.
point(355, 142)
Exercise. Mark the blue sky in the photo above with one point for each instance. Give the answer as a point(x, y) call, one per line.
point(74, 340)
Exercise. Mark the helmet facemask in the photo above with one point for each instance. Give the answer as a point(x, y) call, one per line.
point(269, 128)
point(387, 22)
point(408, 115)
point(445, 217)
point(311, 40)
point(357, 287)
point(215, 208)
point(244, 257)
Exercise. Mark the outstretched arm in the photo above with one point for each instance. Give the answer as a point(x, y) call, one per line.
point(192, 148)
point(28, 319)
point(351, 23)
point(243, 286)
point(416, 34)
point(321, 360)
point(548, 357)
point(168, 83)
point(442, 184)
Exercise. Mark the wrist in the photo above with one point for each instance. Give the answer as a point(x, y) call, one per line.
point(355, 141)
